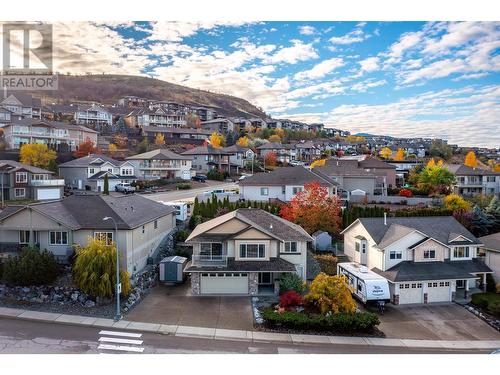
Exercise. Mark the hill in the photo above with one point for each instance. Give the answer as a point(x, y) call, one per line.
point(107, 89)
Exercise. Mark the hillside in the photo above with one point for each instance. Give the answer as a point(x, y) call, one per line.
point(107, 89)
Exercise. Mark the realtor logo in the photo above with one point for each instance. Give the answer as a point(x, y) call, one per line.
point(27, 56)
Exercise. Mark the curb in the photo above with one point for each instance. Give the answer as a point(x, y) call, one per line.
point(239, 335)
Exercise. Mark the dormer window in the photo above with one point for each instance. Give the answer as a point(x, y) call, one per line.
point(461, 252)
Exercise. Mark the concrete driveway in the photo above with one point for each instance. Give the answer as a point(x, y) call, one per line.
point(434, 322)
point(173, 305)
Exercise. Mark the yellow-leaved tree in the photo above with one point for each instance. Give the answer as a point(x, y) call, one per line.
point(217, 140)
point(400, 155)
point(470, 160)
point(455, 202)
point(330, 294)
point(112, 148)
point(37, 155)
point(318, 163)
point(159, 139)
point(386, 153)
point(275, 138)
point(431, 163)
point(243, 141)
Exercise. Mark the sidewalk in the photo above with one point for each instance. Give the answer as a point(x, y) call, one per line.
point(236, 335)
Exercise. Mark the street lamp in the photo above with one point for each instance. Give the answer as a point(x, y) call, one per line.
point(118, 315)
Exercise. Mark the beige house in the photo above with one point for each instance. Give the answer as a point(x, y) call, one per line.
point(57, 226)
point(491, 249)
point(245, 252)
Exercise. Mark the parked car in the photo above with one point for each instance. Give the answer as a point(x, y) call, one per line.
point(125, 188)
point(296, 163)
point(199, 178)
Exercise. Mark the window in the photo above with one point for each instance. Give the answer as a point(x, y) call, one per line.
point(36, 177)
point(432, 285)
point(395, 255)
point(461, 252)
point(143, 229)
point(58, 238)
point(290, 247)
point(24, 236)
point(91, 171)
point(127, 172)
point(19, 192)
point(283, 190)
point(490, 178)
point(107, 237)
point(429, 254)
point(252, 251)
point(264, 191)
point(211, 251)
point(357, 246)
point(21, 177)
point(156, 222)
point(296, 190)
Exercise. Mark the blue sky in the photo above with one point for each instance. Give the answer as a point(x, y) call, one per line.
point(436, 79)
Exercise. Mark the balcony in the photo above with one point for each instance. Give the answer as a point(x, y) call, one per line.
point(199, 260)
point(56, 182)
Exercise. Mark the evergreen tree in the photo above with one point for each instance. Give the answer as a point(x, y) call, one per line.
point(106, 185)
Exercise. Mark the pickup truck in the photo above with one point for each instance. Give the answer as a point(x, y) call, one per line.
point(124, 188)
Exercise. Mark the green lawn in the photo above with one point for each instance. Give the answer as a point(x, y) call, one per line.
point(487, 301)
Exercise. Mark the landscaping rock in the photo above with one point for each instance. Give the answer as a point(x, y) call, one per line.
point(89, 303)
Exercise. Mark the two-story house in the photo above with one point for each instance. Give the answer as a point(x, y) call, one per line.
point(88, 172)
point(93, 115)
point(57, 226)
point(175, 134)
point(24, 105)
point(161, 163)
point(239, 156)
point(307, 151)
point(160, 117)
point(285, 153)
point(25, 182)
point(424, 259)
point(245, 252)
point(474, 181)
point(283, 184)
point(219, 125)
point(206, 158)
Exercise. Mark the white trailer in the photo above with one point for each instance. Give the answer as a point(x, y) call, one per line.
point(181, 209)
point(367, 286)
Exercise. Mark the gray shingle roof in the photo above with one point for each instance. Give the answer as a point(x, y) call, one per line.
point(159, 154)
point(491, 242)
point(17, 166)
point(206, 150)
point(288, 176)
point(273, 265)
point(85, 161)
point(462, 170)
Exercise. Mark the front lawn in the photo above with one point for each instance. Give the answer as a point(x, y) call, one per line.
point(487, 301)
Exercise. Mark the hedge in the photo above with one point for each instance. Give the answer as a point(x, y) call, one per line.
point(339, 323)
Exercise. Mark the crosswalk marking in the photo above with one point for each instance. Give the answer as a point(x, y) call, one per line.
point(121, 348)
point(120, 341)
point(118, 333)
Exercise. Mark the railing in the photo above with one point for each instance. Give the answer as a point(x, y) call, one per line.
point(56, 182)
point(209, 260)
point(470, 183)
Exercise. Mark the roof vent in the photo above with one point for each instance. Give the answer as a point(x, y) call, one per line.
point(385, 218)
point(270, 226)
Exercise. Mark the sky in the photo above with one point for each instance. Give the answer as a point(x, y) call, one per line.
point(409, 79)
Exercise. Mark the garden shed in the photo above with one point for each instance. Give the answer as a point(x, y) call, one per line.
point(171, 269)
point(322, 241)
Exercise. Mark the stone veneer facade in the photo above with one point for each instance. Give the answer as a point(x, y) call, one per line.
point(253, 283)
point(195, 283)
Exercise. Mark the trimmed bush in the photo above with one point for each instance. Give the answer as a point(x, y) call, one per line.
point(487, 301)
point(290, 299)
point(291, 281)
point(32, 267)
point(184, 186)
point(327, 263)
point(339, 323)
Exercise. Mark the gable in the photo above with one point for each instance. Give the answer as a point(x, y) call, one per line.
point(12, 100)
point(21, 220)
point(231, 226)
point(252, 233)
point(459, 238)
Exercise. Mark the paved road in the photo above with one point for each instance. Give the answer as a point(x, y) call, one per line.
point(189, 194)
point(28, 337)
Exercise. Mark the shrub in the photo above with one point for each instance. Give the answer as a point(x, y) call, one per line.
point(32, 267)
point(339, 323)
point(330, 294)
point(183, 186)
point(182, 235)
point(405, 193)
point(490, 283)
point(195, 220)
point(327, 263)
point(215, 174)
point(290, 299)
point(291, 281)
point(494, 308)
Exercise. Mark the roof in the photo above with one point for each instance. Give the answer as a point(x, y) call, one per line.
point(371, 162)
point(159, 154)
point(85, 161)
point(129, 211)
point(463, 170)
point(236, 148)
point(436, 227)
point(26, 100)
point(273, 265)
point(165, 129)
point(51, 124)
point(206, 150)
point(491, 242)
point(274, 145)
point(346, 167)
point(261, 220)
point(288, 176)
point(424, 271)
point(17, 166)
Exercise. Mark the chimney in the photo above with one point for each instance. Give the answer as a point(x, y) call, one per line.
point(385, 218)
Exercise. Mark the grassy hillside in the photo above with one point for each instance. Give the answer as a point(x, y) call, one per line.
point(108, 89)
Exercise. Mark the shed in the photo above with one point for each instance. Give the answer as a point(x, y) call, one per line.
point(322, 241)
point(171, 269)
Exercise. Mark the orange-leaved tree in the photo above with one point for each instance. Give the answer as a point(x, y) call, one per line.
point(400, 155)
point(314, 209)
point(159, 139)
point(242, 141)
point(470, 160)
point(331, 294)
point(85, 148)
point(217, 140)
point(271, 159)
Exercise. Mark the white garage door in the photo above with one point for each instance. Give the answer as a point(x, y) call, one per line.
point(48, 194)
point(438, 292)
point(410, 293)
point(224, 283)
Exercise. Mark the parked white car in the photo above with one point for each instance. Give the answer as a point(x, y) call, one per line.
point(125, 188)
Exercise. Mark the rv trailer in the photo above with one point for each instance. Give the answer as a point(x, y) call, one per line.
point(366, 285)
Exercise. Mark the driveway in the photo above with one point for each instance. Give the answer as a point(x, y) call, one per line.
point(434, 322)
point(173, 305)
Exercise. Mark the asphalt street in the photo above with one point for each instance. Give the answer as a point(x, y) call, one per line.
point(176, 195)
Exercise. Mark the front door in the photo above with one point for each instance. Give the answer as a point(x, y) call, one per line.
point(460, 284)
point(265, 278)
point(363, 256)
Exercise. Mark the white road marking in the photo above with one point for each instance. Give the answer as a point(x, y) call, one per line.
point(120, 341)
point(122, 348)
point(124, 334)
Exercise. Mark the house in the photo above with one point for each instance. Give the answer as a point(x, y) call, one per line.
point(307, 151)
point(245, 252)
point(161, 163)
point(424, 259)
point(176, 133)
point(89, 172)
point(7, 116)
point(25, 182)
point(57, 226)
point(282, 184)
point(93, 115)
point(403, 168)
point(158, 117)
point(284, 152)
point(205, 113)
point(239, 156)
point(131, 101)
point(381, 169)
point(206, 158)
point(471, 182)
point(491, 248)
point(57, 135)
point(219, 125)
point(23, 105)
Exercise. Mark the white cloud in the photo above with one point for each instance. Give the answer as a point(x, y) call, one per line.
point(368, 84)
point(307, 30)
point(470, 76)
point(299, 51)
point(329, 88)
point(355, 36)
point(370, 64)
point(320, 70)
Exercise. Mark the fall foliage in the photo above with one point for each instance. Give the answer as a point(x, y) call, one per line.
point(455, 202)
point(243, 141)
point(217, 140)
point(318, 163)
point(330, 294)
point(400, 155)
point(314, 210)
point(120, 140)
point(112, 148)
point(271, 159)
point(37, 155)
point(386, 153)
point(274, 138)
point(354, 139)
point(435, 178)
point(470, 160)
point(85, 148)
point(159, 139)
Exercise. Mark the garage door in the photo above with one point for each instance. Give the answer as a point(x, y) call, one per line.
point(48, 194)
point(438, 292)
point(224, 283)
point(410, 293)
